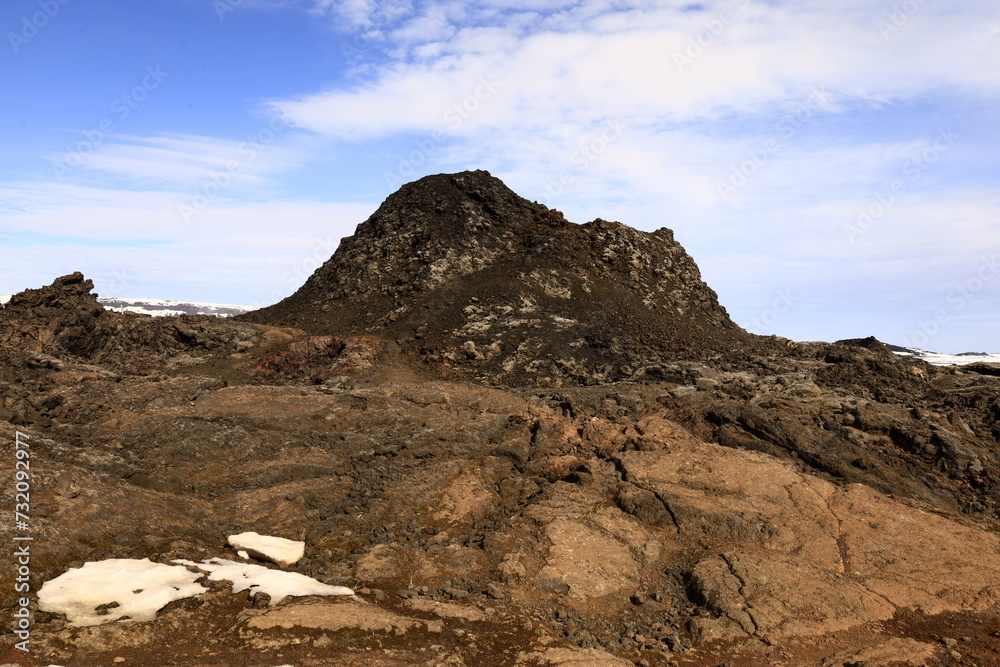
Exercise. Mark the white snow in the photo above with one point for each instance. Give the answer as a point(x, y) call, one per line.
point(939, 359)
point(276, 583)
point(166, 307)
point(165, 312)
point(139, 587)
point(168, 302)
point(275, 549)
point(243, 554)
point(163, 307)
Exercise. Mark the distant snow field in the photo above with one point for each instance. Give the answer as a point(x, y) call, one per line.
point(939, 359)
point(163, 307)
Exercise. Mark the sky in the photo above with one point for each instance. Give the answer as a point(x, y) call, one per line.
point(831, 167)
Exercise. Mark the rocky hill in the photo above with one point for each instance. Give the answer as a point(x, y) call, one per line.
point(568, 482)
point(461, 271)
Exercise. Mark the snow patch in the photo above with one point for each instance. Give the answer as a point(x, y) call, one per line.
point(120, 589)
point(275, 549)
point(257, 578)
point(117, 589)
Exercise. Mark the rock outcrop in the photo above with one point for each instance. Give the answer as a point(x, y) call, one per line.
point(463, 272)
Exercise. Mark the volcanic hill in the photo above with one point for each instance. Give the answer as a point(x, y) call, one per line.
point(458, 269)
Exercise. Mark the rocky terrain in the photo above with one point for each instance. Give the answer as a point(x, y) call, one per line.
point(521, 441)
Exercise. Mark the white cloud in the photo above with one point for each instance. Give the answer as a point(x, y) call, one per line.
point(186, 161)
point(354, 14)
point(135, 243)
point(657, 62)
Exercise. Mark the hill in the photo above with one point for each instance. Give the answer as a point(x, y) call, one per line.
point(461, 271)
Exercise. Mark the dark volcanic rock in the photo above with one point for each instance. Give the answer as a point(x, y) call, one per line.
point(68, 309)
point(465, 273)
point(67, 294)
point(320, 358)
point(38, 327)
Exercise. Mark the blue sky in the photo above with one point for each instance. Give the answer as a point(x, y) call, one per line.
point(832, 167)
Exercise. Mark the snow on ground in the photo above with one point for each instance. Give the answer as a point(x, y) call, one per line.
point(276, 583)
point(275, 549)
point(110, 590)
point(164, 312)
point(166, 307)
point(129, 589)
point(939, 359)
point(163, 307)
